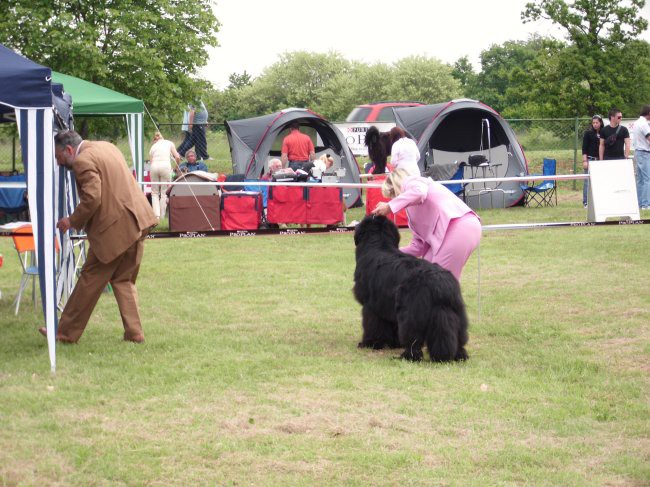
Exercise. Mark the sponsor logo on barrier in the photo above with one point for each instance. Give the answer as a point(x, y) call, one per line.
point(191, 235)
point(242, 233)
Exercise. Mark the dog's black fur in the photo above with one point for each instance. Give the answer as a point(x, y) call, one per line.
point(406, 301)
point(379, 147)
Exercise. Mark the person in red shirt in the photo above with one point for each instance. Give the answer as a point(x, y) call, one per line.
point(297, 149)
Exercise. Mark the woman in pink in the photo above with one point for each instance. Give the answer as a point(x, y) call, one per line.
point(445, 230)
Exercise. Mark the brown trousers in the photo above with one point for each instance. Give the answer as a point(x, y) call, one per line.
point(95, 275)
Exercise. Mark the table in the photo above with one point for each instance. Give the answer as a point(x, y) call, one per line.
point(486, 189)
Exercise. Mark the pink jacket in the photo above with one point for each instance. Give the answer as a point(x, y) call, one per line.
point(430, 207)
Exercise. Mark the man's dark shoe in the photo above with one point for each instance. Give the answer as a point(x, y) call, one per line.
point(134, 339)
point(59, 338)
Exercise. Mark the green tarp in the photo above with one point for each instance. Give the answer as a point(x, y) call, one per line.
point(91, 99)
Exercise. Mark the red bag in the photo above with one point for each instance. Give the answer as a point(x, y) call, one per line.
point(324, 205)
point(241, 210)
point(374, 196)
point(286, 204)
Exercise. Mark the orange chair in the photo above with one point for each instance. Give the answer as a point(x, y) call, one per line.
point(23, 238)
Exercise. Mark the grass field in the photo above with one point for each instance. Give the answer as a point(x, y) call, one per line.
point(250, 373)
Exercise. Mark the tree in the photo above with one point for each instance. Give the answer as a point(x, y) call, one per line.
point(464, 72)
point(423, 79)
point(595, 68)
point(149, 49)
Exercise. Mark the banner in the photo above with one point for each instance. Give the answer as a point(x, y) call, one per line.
point(355, 134)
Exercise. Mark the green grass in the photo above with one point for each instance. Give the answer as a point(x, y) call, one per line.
point(250, 372)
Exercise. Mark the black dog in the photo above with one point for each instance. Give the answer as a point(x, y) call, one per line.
point(379, 148)
point(406, 301)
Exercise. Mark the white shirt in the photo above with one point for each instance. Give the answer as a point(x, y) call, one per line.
point(640, 131)
point(161, 153)
point(405, 155)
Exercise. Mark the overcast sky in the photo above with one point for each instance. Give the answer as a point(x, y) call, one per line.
point(254, 33)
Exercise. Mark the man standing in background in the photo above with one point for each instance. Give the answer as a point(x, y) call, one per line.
point(297, 149)
point(117, 217)
point(641, 136)
point(614, 139)
point(196, 124)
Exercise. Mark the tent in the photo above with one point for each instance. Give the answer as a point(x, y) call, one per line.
point(255, 140)
point(26, 90)
point(94, 100)
point(452, 131)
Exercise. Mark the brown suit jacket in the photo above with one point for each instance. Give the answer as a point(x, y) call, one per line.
point(112, 208)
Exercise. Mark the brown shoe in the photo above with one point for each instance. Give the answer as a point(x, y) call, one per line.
point(59, 338)
point(135, 339)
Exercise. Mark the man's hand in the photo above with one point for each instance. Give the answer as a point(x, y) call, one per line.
point(382, 209)
point(64, 224)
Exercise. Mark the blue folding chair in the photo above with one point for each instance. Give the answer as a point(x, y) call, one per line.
point(458, 188)
point(544, 193)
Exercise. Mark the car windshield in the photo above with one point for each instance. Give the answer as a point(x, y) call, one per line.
point(359, 114)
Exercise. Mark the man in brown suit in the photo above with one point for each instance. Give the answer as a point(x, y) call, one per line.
point(117, 218)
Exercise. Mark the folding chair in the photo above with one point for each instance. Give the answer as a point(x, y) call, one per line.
point(458, 188)
point(542, 194)
point(24, 244)
point(23, 239)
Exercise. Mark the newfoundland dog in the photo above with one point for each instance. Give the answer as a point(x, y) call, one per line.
point(407, 302)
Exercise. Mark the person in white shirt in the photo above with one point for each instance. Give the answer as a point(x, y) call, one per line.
point(404, 153)
point(160, 156)
point(641, 139)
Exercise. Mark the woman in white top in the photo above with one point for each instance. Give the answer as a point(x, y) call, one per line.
point(404, 153)
point(160, 155)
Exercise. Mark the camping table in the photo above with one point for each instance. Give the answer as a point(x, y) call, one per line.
point(486, 189)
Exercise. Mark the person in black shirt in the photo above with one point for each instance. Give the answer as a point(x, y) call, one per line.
point(590, 146)
point(615, 139)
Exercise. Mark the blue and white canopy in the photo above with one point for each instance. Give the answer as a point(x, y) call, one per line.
point(26, 93)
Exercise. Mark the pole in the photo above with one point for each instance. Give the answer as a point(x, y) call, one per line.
point(575, 151)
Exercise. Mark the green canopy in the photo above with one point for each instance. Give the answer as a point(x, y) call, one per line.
point(91, 99)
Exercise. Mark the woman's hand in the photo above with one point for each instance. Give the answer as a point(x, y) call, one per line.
point(382, 209)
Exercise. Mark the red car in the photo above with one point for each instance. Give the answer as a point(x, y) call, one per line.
point(381, 111)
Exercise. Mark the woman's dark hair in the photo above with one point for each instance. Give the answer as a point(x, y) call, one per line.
point(396, 133)
point(599, 118)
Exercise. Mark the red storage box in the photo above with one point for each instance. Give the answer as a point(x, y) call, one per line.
point(324, 205)
point(286, 204)
point(241, 210)
point(374, 196)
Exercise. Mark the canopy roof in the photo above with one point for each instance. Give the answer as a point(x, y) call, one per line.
point(92, 99)
point(25, 84)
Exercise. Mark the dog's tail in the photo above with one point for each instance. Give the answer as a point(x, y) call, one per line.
point(445, 336)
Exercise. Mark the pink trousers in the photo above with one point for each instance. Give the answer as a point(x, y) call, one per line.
point(462, 237)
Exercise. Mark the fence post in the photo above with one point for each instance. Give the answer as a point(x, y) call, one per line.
point(575, 152)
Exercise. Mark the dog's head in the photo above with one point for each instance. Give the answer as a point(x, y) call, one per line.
point(376, 229)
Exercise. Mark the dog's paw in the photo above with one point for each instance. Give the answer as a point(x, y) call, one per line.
point(412, 355)
point(461, 354)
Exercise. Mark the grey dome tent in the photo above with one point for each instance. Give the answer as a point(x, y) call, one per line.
point(253, 141)
point(452, 131)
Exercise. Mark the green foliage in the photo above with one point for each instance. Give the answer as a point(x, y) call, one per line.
point(594, 71)
point(331, 85)
point(147, 49)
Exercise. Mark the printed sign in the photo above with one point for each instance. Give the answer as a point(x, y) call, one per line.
point(355, 134)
